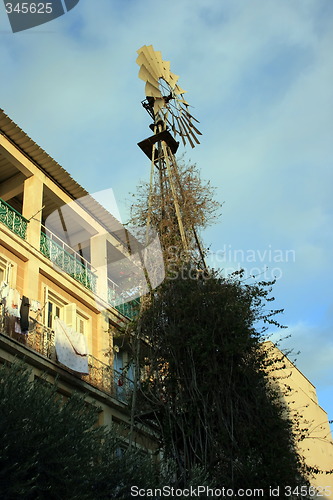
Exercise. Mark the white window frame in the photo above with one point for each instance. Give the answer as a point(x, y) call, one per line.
point(70, 313)
point(57, 304)
point(8, 271)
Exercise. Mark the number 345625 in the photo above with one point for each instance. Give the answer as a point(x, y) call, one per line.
point(28, 8)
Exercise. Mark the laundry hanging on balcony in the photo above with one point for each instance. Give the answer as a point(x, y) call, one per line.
point(71, 347)
point(13, 303)
point(24, 314)
point(4, 290)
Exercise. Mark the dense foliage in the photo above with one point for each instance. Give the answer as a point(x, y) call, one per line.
point(206, 385)
point(51, 447)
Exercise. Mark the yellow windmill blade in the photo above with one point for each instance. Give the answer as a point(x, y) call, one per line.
point(144, 61)
point(179, 90)
point(146, 76)
point(173, 80)
point(152, 91)
point(159, 64)
point(166, 70)
point(153, 57)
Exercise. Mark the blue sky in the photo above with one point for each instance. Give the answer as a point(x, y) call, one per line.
point(259, 75)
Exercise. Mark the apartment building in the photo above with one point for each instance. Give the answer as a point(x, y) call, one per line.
point(311, 425)
point(67, 269)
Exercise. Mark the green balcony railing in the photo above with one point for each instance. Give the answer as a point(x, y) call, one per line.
point(68, 260)
point(129, 309)
point(13, 219)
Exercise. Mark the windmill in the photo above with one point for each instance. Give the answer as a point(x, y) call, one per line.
point(169, 111)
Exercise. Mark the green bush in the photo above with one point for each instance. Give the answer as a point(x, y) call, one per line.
point(51, 448)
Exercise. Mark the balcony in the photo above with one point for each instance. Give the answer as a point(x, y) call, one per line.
point(13, 219)
point(109, 380)
point(101, 375)
point(67, 259)
point(129, 309)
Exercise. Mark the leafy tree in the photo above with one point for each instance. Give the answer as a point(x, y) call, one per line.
point(51, 448)
point(206, 385)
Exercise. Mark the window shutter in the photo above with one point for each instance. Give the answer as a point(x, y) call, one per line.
point(70, 315)
point(80, 323)
point(8, 273)
point(45, 305)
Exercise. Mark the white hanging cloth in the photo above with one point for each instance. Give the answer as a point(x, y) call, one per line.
point(13, 303)
point(71, 347)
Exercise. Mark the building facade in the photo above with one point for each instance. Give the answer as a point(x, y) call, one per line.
point(311, 425)
point(66, 266)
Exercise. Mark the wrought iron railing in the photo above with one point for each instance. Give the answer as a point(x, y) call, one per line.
point(67, 259)
point(42, 340)
point(113, 292)
point(39, 337)
point(109, 380)
point(115, 298)
point(13, 219)
point(129, 309)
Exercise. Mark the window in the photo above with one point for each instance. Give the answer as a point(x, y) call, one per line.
point(54, 307)
point(122, 365)
point(81, 323)
point(6, 271)
point(52, 311)
point(120, 450)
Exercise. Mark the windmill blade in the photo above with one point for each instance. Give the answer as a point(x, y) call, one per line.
point(184, 111)
point(158, 56)
point(195, 128)
point(152, 91)
point(159, 63)
point(173, 80)
point(183, 133)
point(144, 60)
point(173, 127)
point(146, 76)
point(171, 123)
point(183, 140)
point(192, 117)
point(183, 101)
point(166, 70)
point(154, 62)
point(187, 117)
point(188, 138)
point(179, 90)
point(187, 127)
